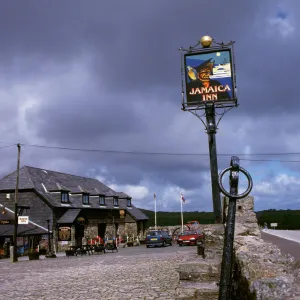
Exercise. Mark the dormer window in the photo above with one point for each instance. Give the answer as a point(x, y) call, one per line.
point(101, 200)
point(85, 199)
point(128, 202)
point(64, 197)
point(116, 202)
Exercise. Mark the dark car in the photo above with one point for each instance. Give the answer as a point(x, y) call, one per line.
point(191, 237)
point(158, 238)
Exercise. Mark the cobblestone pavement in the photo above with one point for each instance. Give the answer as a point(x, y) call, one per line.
point(132, 273)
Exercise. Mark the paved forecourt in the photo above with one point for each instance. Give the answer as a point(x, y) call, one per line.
point(132, 273)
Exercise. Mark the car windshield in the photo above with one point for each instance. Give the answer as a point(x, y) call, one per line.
point(189, 232)
point(154, 233)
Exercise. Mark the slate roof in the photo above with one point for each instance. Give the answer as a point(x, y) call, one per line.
point(29, 229)
point(122, 195)
point(137, 214)
point(26, 229)
point(69, 216)
point(48, 185)
point(9, 181)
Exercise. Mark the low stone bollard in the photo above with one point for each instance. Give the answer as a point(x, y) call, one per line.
point(201, 249)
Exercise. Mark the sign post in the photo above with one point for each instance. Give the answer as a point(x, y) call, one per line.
point(208, 83)
point(273, 225)
point(50, 254)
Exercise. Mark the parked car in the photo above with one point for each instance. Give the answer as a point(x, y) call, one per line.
point(193, 225)
point(158, 238)
point(190, 237)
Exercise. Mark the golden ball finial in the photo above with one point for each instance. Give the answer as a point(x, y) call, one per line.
point(206, 41)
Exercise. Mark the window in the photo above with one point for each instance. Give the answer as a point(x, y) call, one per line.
point(85, 199)
point(116, 202)
point(128, 202)
point(101, 200)
point(64, 197)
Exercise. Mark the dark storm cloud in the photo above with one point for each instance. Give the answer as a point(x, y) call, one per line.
point(106, 75)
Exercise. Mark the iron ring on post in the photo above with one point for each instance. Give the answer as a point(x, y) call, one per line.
point(246, 193)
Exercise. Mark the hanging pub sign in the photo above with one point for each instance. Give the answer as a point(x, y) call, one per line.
point(64, 233)
point(122, 214)
point(209, 77)
point(80, 221)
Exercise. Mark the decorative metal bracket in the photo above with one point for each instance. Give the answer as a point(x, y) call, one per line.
point(204, 114)
point(197, 46)
point(21, 209)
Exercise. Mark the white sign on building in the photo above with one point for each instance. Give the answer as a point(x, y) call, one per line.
point(273, 224)
point(23, 220)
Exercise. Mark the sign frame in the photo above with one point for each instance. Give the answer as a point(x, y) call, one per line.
point(67, 237)
point(195, 105)
point(23, 220)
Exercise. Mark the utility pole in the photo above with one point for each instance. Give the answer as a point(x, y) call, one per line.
point(15, 259)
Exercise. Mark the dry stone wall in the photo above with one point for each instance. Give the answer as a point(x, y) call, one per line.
point(260, 271)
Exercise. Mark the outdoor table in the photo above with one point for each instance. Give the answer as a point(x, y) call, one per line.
point(71, 251)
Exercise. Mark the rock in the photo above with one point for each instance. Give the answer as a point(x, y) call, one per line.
point(205, 270)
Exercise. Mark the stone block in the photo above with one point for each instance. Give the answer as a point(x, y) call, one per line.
point(205, 270)
point(199, 290)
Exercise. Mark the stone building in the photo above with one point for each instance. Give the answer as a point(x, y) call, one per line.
point(78, 207)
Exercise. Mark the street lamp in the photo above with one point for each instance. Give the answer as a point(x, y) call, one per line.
point(208, 83)
point(50, 254)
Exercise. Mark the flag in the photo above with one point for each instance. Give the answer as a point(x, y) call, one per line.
point(154, 196)
point(182, 198)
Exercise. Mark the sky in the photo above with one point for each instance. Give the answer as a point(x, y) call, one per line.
point(106, 75)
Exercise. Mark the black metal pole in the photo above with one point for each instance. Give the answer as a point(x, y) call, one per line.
point(211, 131)
point(227, 260)
point(226, 268)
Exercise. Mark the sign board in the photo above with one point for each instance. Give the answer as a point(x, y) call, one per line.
point(122, 214)
point(209, 77)
point(64, 233)
point(20, 241)
point(23, 220)
point(6, 222)
point(273, 224)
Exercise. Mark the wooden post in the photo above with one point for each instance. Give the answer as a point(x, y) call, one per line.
point(15, 259)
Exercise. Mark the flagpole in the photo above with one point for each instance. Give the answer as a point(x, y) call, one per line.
point(181, 213)
point(155, 210)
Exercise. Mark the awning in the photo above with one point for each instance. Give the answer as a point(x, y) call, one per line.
point(28, 229)
point(69, 216)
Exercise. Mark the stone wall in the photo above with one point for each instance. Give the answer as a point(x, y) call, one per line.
point(260, 270)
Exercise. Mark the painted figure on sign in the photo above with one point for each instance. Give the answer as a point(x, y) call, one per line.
point(201, 84)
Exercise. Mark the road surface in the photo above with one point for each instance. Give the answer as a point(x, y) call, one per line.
point(286, 246)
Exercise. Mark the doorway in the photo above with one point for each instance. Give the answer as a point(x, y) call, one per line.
point(79, 234)
point(101, 230)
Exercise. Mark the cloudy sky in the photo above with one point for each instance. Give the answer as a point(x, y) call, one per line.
point(106, 75)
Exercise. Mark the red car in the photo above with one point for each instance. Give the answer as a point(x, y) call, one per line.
point(190, 238)
point(193, 225)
